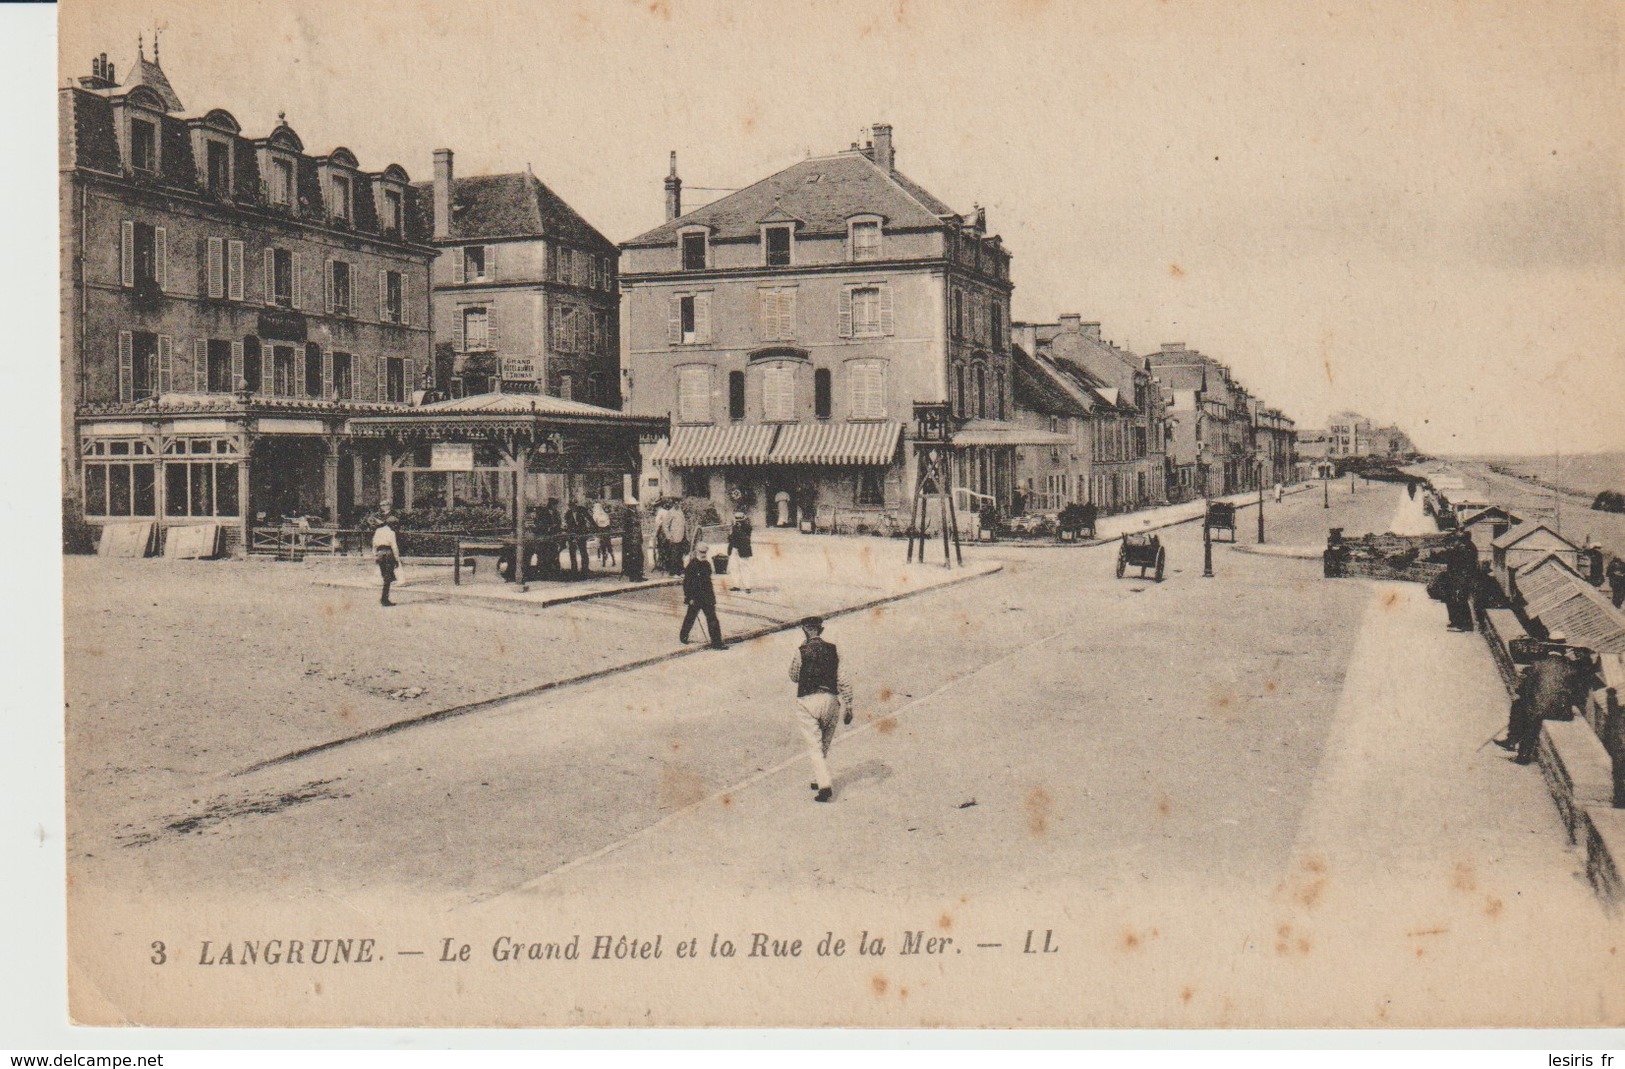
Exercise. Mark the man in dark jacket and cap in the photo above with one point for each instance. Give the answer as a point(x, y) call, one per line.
point(701, 596)
point(1461, 580)
point(821, 695)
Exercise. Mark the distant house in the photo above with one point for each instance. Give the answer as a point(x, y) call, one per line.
point(1485, 525)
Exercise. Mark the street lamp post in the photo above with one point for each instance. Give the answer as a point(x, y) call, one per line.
point(1207, 532)
point(1325, 487)
point(1261, 502)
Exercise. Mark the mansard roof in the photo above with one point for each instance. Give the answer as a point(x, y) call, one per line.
point(822, 192)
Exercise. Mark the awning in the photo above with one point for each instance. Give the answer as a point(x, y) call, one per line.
point(702, 447)
point(984, 432)
point(837, 443)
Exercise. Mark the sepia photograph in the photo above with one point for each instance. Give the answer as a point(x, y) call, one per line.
point(873, 514)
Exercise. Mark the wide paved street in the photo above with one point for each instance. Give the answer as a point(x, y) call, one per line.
point(1263, 784)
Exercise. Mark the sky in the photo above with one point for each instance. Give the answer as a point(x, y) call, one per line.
point(1410, 209)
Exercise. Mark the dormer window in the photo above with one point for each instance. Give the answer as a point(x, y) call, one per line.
point(218, 158)
point(863, 239)
point(144, 145)
point(282, 181)
point(776, 243)
point(694, 250)
point(392, 210)
point(342, 194)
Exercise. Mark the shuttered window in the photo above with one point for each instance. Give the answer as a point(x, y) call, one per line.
point(217, 267)
point(778, 319)
point(867, 381)
point(694, 395)
point(476, 324)
point(779, 394)
point(234, 270)
point(866, 311)
point(689, 320)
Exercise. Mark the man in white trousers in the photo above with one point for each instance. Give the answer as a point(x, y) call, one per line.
point(821, 696)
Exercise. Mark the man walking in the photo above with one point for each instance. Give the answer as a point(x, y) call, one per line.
point(577, 527)
point(701, 596)
point(387, 552)
point(1461, 579)
point(821, 695)
point(1548, 691)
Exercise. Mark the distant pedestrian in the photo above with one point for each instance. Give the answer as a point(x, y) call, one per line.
point(606, 537)
point(1549, 690)
point(1278, 492)
point(1461, 578)
point(701, 597)
point(1592, 556)
point(1616, 580)
point(632, 541)
point(674, 530)
point(549, 533)
point(739, 553)
point(821, 696)
point(781, 505)
point(1410, 489)
point(577, 529)
point(386, 550)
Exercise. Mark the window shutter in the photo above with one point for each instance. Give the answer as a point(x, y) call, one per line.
point(166, 365)
point(236, 365)
point(406, 298)
point(127, 253)
point(270, 276)
point(457, 330)
point(296, 268)
point(491, 261)
point(886, 318)
point(217, 267)
point(702, 317)
point(267, 369)
point(770, 314)
point(200, 365)
point(846, 313)
point(299, 372)
point(234, 273)
point(491, 342)
point(327, 373)
point(126, 365)
point(787, 314)
point(459, 265)
point(160, 257)
point(674, 320)
point(329, 287)
point(380, 367)
point(383, 296)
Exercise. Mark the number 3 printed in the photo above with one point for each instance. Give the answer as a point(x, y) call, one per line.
point(158, 954)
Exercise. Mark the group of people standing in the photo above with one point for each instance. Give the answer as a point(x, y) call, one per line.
point(572, 533)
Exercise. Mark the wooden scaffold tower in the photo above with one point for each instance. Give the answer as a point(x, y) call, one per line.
point(933, 484)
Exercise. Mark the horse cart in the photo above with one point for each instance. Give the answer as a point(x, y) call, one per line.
point(1221, 516)
point(1142, 551)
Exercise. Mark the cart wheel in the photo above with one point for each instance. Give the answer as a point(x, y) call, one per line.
point(1162, 557)
point(1122, 562)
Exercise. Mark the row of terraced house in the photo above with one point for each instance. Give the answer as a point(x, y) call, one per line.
point(254, 331)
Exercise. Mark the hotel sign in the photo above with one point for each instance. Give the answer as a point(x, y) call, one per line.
point(518, 369)
point(451, 456)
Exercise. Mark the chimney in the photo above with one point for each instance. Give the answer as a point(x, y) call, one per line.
point(1069, 322)
point(111, 78)
point(442, 193)
point(883, 154)
point(1090, 331)
point(674, 191)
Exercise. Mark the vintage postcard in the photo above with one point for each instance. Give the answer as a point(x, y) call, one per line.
point(874, 513)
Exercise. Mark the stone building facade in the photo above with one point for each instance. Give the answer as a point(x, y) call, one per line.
point(788, 328)
point(228, 302)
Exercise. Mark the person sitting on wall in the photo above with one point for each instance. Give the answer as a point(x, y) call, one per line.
point(1616, 580)
point(1549, 690)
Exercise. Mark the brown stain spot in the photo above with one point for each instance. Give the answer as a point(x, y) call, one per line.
point(1175, 271)
point(902, 992)
point(1314, 864)
point(727, 799)
point(1420, 951)
point(680, 786)
point(885, 694)
point(345, 712)
point(886, 725)
point(1390, 599)
point(1303, 945)
point(945, 922)
point(1164, 807)
point(318, 987)
point(777, 550)
point(660, 9)
point(879, 985)
point(1271, 686)
point(676, 746)
point(1039, 806)
point(1309, 894)
point(1493, 907)
point(1131, 941)
point(1186, 994)
point(1463, 878)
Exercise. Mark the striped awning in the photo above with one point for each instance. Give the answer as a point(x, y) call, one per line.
point(837, 443)
point(703, 447)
